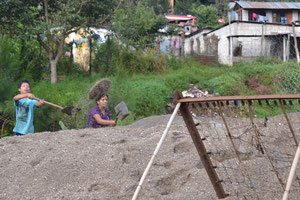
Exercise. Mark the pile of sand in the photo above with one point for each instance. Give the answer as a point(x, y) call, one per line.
point(107, 163)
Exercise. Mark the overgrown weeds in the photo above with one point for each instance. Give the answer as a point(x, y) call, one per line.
point(144, 82)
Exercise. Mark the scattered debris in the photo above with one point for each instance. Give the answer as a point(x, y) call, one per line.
point(194, 92)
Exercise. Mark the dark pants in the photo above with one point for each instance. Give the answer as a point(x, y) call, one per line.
point(18, 134)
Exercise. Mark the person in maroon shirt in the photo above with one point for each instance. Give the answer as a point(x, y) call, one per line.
point(99, 114)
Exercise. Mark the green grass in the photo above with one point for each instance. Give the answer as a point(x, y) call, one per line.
point(148, 94)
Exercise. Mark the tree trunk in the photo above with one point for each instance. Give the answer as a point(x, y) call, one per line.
point(53, 64)
point(54, 59)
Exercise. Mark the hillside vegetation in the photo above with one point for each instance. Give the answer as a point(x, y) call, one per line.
point(32, 47)
point(145, 83)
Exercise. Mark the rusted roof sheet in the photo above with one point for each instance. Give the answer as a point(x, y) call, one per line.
point(269, 5)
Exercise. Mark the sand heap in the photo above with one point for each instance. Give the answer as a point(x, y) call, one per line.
point(107, 163)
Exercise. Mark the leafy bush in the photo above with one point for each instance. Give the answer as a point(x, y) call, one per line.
point(106, 57)
point(134, 62)
point(9, 67)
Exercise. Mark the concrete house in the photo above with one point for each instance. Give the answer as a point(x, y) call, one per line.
point(260, 30)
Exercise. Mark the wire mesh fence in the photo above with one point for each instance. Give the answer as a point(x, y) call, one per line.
point(278, 46)
point(252, 156)
point(289, 81)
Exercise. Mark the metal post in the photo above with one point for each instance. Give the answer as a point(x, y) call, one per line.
point(289, 124)
point(228, 132)
point(188, 119)
point(259, 146)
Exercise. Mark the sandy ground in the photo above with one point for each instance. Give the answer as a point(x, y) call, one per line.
point(107, 163)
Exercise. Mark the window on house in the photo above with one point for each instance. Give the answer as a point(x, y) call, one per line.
point(254, 14)
point(278, 16)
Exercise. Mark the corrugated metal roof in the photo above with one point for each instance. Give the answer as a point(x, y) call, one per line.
point(269, 5)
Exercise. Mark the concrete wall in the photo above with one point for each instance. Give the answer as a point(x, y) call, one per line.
point(245, 15)
point(269, 15)
point(197, 41)
point(295, 15)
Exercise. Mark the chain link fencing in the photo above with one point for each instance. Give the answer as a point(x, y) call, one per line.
point(277, 46)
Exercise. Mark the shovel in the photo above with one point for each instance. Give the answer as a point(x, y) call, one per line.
point(121, 111)
point(70, 110)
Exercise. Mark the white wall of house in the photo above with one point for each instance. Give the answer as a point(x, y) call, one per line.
point(295, 15)
point(269, 15)
point(245, 15)
point(223, 47)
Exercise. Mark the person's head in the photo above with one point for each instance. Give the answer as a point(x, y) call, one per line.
point(24, 86)
point(102, 101)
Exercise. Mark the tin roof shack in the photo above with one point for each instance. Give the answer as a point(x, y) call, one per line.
point(274, 12)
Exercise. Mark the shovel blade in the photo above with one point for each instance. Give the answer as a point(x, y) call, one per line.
point(121, 110)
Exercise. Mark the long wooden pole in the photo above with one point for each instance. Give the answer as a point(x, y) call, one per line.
point(155, 152)
point(262, 41)
point(284, 49)
point(291, 175)
point(288, 47)
point(230, 41)
point(289, 123)
point(295, 42)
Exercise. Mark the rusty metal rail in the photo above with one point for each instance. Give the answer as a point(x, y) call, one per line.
point(232, 98)
point(217, 103)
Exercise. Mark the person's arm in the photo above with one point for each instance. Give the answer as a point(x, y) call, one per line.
point(103, 121)
point(23, 96)
point(40, 103)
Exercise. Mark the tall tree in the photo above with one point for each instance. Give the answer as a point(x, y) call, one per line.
point(206, 16)
point(137, 26)
point(184, 7)
point(159, 6)
point(50, 22)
